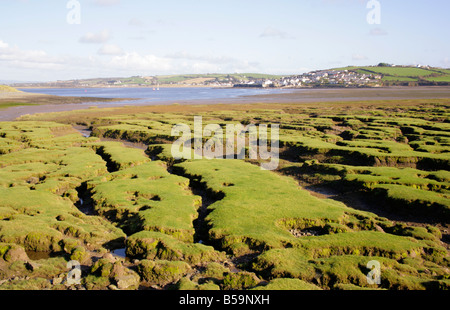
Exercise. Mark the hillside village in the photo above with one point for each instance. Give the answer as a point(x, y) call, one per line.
point(369, 76)
point(310, 79)
point(319, 78)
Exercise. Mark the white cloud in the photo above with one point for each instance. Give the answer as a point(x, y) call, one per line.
point(446, 62)
point(270, 32)
point(14, 56)
point(110, 49)
point(20, 64)
point(133, 61)
point(359, 57)
point(208, 59)
point(378, 32)
point(136, 22)
point(95, 38)
point(110, 60)
point(3, 45)
point(208, 63)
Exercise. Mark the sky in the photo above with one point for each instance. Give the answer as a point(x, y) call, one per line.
point(48, 40)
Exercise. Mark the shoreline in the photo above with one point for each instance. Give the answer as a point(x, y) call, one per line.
point(37, 99)
point(49, 103)
point(125, 87)
point(231, 87)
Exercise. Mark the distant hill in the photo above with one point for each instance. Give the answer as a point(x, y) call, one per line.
point(179, 80)
point(366, 76)
point(404, 75)
point(193, 78)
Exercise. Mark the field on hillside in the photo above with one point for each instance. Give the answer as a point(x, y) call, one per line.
point(356, 183)
point(200, 79)
point(398, 75)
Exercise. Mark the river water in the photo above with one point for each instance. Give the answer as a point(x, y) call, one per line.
point(203, 95)
point(148, 95)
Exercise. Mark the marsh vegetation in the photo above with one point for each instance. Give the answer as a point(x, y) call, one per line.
point(227, 224)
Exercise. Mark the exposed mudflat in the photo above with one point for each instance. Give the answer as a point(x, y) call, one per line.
point(39, 103)
point(48, 103)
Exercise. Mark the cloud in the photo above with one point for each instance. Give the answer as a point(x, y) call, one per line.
point(3, 45)
point(358, 57)
point(270, 32)
point(446, 61)
point(37, 65)
point(206, 63)
point(136, 22)
point(378, 32)
point(132, 61)
point(202, 58)
point(95, 38)
point(13, 56)
point(111, 60)
point(110, 49)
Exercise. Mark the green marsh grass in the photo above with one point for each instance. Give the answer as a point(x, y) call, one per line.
point(395, 151)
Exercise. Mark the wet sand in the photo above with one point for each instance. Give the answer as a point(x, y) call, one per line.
point(33, 98)
point(46, 103)
point(41, 103)
point(357, 94)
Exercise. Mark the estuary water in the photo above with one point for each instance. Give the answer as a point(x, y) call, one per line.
point(149, 95)
point(163, 96)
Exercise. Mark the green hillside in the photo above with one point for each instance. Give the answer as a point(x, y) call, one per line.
point(405, 75)
point(236, 77)
point(8, 89)
point(176, 79)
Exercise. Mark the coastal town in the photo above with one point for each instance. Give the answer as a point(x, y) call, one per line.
point(343, 78)
point(369, 76)
point(319, 78)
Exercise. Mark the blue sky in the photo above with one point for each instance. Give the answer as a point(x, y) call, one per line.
point(135, 37)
